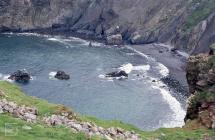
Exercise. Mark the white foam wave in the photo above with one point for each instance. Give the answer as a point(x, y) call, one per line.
point(52, 39)
point(52, 75)
point(4, 77)
point(59, 39)
point(177, 118)
point(97, 44)
point(130, 54)
point(127, 68)
point(163, 70)
point(32, 34)
point(26, 34)
point(138, 52)
point(102, 76)
point(81, 41)
point(141, 68)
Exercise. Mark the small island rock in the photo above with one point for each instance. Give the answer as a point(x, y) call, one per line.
point(61, 75)
point(21, 76)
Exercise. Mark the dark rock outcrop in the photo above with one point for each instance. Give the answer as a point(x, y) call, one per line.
point(61, 75)
point(114, 39)
point(198, 68)
point(117, 74)
point(21, 76)
point(201, 80)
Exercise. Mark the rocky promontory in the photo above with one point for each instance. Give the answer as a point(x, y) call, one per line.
point(201, 81)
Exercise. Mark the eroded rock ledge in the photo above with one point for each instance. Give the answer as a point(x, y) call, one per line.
point(201, 80)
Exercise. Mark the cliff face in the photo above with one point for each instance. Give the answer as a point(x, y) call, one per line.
point(137, 21)
point(201, 80)
point(182, 23)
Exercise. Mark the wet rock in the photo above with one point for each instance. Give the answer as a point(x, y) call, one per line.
point(117, 74)
point(21, 76)
point(61, 75)
point(173, 50)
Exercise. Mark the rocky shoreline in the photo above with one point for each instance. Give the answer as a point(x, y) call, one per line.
point(174, 61)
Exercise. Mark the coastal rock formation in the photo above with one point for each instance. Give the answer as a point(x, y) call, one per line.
point(61, 75)
point(117, 74)
point(201, 80)
point(181, 22)
point(114, 39)
point(21, 76)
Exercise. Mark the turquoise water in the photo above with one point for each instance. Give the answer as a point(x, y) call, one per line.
point(136, 100)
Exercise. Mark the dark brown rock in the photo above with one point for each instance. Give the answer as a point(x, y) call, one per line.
point(21, 76)
point(117, 74)
point(61, 75)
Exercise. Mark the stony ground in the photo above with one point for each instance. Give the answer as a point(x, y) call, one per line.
point(30, 114)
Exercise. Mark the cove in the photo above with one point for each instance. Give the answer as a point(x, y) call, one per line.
point(136, 100)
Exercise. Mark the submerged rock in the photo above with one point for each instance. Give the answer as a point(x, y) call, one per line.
point(117, 74)
point(21, 76)
point(61, 75)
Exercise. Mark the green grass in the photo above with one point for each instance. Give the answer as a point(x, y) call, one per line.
point(41, 131)
point(213, 46)
point(200, 13)
point(38, 131)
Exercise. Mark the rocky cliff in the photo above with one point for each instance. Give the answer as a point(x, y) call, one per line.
point(179, 22)
point(201, 80)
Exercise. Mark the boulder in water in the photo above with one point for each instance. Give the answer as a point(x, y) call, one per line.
point(21, 76)
point(117, 74)
point(61, 75)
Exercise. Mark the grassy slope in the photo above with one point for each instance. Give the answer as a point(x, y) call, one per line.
point(40, 131)
point(204, 9)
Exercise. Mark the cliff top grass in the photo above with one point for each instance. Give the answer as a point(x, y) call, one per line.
point(201, 9)
point(41, 131)
point(213, 46)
